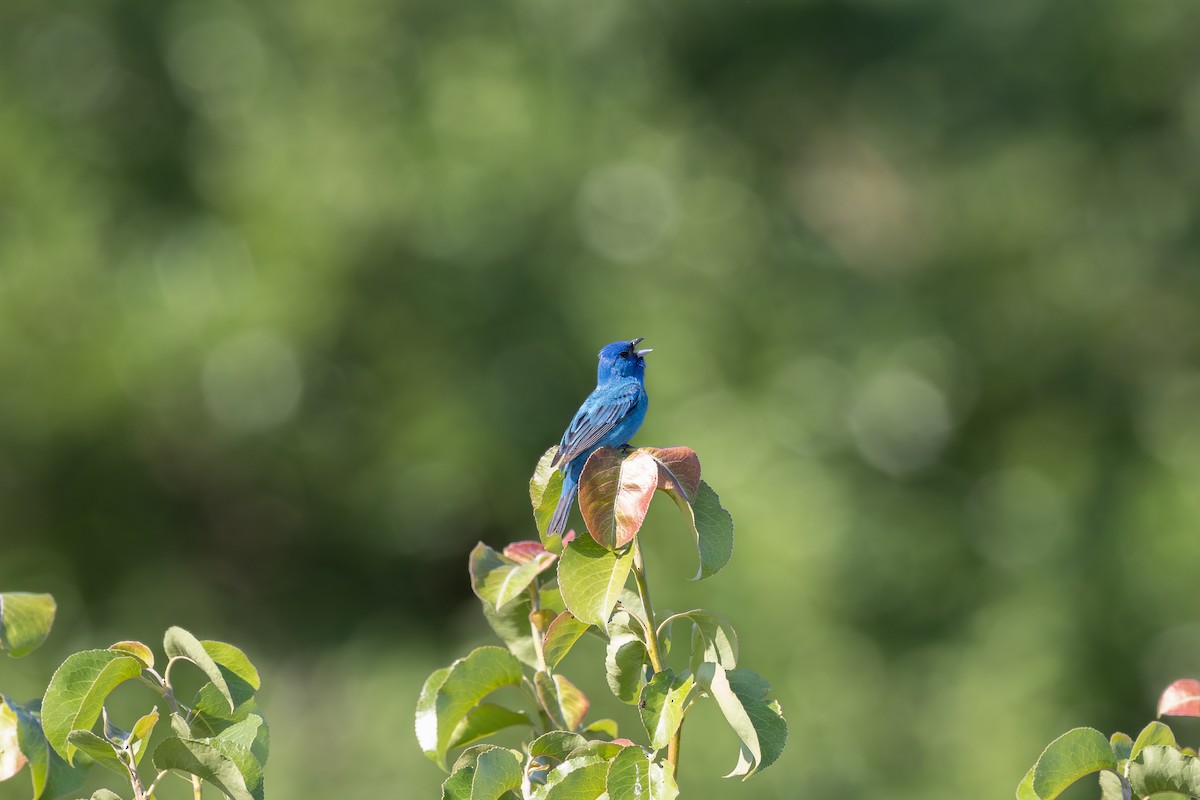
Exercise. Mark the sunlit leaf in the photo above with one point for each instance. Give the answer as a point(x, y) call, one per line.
point(615, 493)
point(449, 694)
point(205, 760)
point(713, 638)
point(1155, 733)
point(77, 692)
point(497, 770)
point(1078, 752)
point(545, 488)
point(1158, 768)
point(561, 636)
point(625, 662)
point(591, 579)
point(240, 675)
point(135, 649)
point(11, 757)
point(105, 794)
point(578, 778)
point(1114, 786)
point(139, 737)
point(662, 706)
point(562, 700)
point(498, 580)
point(25, 621)
point(632, 776)
point(1181, 699)
point(602, 727)
point(484, 720)
point(741, 696)
point(523, 552)
point(179, 643)
point(49, 774)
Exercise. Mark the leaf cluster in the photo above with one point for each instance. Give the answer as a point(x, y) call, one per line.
point(218, 737)
point(541, 597)
point(1152, 765)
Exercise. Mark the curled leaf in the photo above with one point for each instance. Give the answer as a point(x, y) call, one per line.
point(1181, 699)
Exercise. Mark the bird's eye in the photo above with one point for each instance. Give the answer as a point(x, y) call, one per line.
point(624, 354)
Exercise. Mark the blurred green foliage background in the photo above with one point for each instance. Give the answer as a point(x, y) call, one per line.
point(293, 296)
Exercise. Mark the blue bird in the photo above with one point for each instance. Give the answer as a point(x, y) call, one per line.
point(609, 417)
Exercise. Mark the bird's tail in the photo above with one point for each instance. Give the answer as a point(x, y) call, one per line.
point(558, 521)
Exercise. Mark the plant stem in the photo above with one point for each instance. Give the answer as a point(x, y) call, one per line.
point(197, 793)
point(639, 577)
point(536, 606)
point(652, 645)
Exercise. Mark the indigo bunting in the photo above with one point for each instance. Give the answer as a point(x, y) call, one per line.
point(610, 417)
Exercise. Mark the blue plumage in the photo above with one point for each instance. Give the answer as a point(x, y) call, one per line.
point(609, 417)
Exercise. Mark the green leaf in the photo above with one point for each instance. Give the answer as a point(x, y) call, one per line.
point(207, 760)
point(105, 794)
point(462, 773)
point(240, 675)
point(615, 493)
point(625, 662)
point(100, 750)
point(713, 638)
point(713, 527)
point(497, 771)
point(512, 624)
point(77, 692)
point(484, 720)
point(136, 649)
point(632, 776)
point(49, 774)
point(1155, 733)
point(555, 745)
point(545, 488)
point(450, 694)
point(1078, 752)
point(139, 737)
point(602, 727)
point(25, 621)
point(561, 636)
point(562, 700)
point(1159, 768)
point(1122, 746)
point(741, 696)
point(1114, 786)
point(498, 580)
point(662, 706)
point(591, 579)
point(178, 643)
point(626, 659)
point(578, 778)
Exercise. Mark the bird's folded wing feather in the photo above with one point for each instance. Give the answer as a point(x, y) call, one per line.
point(594, 422)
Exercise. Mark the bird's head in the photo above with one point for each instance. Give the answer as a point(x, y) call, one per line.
point(622, 360)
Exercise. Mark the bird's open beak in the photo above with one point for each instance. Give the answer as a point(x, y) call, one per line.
point(641, 353)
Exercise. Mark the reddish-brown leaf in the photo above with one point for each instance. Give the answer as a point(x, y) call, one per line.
point(614, 493)
point(523, 552)
point(1181, 699)
point(678, 470)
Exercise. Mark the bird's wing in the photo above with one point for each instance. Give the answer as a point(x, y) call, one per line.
point(594, 421)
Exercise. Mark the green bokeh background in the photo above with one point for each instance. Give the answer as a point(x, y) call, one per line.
point(293, 296)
